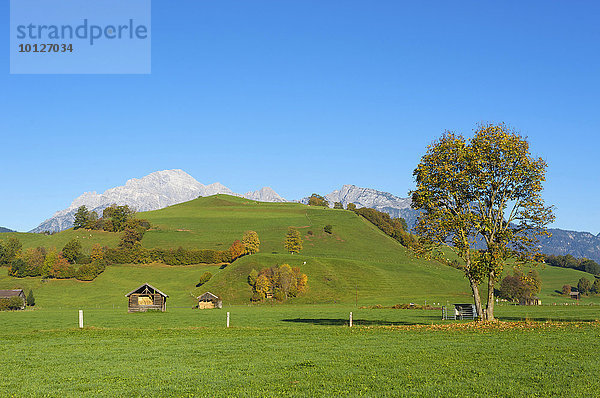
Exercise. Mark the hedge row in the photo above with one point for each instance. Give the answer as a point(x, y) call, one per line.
point(180, 256)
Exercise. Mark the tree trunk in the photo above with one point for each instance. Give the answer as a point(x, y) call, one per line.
point(489, 310)
point(476, 298)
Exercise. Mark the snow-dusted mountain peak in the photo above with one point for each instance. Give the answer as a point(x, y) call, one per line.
point(154, 191)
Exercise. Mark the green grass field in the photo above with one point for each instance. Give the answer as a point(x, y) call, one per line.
point(303, 347)
point(295, 350)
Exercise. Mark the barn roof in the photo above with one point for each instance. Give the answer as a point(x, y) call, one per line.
point(10, 293)
point(207, 296)
point(141, 289)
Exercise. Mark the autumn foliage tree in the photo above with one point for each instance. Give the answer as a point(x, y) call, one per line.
point(293, 241)
point(97, 252)
point(282, 281)
point(251, 242)
point(236, 250)
point(488, 188)
point(520, 287)
point(317, 200)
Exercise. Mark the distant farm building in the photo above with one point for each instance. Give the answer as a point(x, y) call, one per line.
point(146, 297)
point(209, 300)
point(575, 295)
point(460, 311)
point(8, 294)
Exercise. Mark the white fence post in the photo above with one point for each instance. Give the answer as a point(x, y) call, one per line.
point(80, 319)
point(227, 319)
point(350, 319)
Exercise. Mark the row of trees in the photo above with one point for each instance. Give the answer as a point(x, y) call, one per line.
point(568, 261)
point(71, 262)
point(393, 227)
point(485, 189)
point(281, 282)
point(50, 263)
point(130, 251)
point(114, 218)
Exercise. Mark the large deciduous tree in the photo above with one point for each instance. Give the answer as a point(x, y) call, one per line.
point(444, 191)
point(488, 188)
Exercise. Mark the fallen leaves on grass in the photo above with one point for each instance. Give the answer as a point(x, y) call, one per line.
point(492, 326)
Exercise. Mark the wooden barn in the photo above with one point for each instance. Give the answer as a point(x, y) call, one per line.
point(8, 294)
point(209, 300)
point(146, 297)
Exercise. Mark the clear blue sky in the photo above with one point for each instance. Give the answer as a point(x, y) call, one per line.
point(305, 96)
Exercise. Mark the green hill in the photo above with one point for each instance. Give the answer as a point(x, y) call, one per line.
point(356, 261)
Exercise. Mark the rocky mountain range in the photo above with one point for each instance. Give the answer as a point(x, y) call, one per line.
point(265, 194)
point(154, 191)
point(2, 229)
point(577, 244)
point(367, 197)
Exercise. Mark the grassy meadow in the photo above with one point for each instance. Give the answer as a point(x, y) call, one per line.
point(303, 347)
point(297, 350)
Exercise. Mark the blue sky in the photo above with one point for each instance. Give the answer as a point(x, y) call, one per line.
point(305, 96)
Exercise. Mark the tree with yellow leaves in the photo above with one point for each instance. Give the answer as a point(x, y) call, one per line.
point(293, 241)
point(486, 188)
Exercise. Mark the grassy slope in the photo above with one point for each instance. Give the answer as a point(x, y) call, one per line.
point(357, 256)
point(356, 253)
point(58, 241)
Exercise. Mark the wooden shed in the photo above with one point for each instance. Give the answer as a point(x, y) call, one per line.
point(209, 300)
point(146, 297)
point(8, 294)
point(575, 295)
point(531, 301)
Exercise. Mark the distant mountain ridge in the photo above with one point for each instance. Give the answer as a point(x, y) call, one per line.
point(152, 192)
point(265, 194)
point(2, 229)
point(385, 202)
point(578, 244)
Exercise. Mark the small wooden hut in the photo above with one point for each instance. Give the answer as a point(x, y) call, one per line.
point(209, 300)
point(8, 294)
point(146, 297)
point(531, 301)
point(575, 295)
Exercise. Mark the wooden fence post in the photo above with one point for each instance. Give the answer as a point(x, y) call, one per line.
point(80, 319)
point(350, 319)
